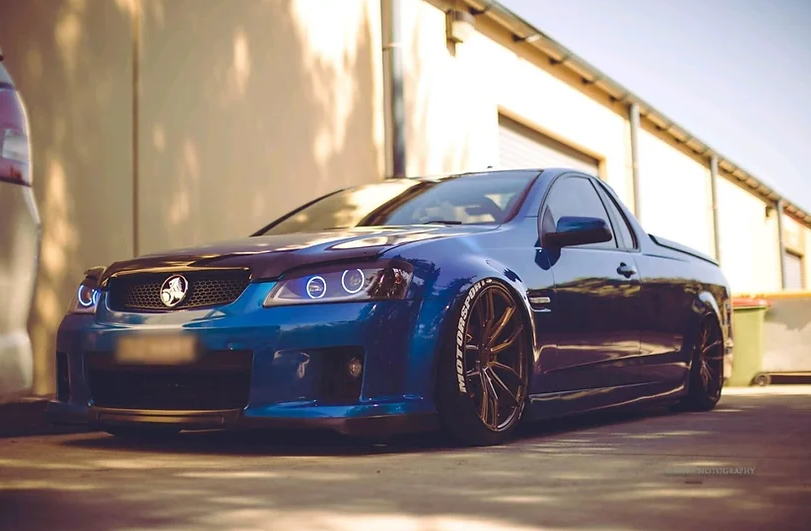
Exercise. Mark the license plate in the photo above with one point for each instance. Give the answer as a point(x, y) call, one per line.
point(176, 349)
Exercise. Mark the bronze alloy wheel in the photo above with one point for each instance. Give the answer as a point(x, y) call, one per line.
point(494, 360)
point(710, 358)
point(706, 377)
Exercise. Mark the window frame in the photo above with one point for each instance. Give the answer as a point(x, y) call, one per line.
point(545, 203)
point(617, 211)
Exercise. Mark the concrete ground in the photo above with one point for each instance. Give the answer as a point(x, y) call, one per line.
point(743, 466)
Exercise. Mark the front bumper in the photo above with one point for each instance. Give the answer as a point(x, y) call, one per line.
point(367, 421)
point(284, 378)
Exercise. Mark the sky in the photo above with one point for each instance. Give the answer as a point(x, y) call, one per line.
point(735, 73)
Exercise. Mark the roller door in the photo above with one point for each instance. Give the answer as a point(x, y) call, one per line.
point(521, 147)
point(794, 272)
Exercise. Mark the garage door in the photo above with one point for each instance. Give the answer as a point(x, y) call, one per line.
point(521, 147)
point(794, 272)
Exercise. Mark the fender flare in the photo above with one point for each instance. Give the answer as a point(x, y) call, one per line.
point(487, 269)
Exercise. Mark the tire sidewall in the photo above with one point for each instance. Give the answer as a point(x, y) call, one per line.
point(456, 407)
point(698, 398)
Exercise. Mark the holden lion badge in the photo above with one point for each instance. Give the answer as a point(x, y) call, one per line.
point(173, 290)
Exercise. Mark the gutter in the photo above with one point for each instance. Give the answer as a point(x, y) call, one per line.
point(633, 120)
point(561, 56)
point(716, 232)
point(391, 13)
point(781, 243)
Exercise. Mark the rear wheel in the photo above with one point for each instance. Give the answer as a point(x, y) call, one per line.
point(483, 372)
point(707, 369)
point(762, 379)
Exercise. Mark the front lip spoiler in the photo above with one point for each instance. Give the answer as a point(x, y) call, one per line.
point(184, 419)
point(102, 417)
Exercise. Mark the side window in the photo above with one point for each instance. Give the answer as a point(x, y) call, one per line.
point(621, 225)
point(575, 196)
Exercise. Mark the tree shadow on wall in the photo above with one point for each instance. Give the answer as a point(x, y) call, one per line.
point(248, 110)
point(71, 62)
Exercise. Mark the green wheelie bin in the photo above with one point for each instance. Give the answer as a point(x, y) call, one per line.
point(747, 329)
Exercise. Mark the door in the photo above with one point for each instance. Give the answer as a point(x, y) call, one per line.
point(521, 147)
point(794, 271)
point(595, 299)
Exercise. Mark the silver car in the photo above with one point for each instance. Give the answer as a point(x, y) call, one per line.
point(19, 242)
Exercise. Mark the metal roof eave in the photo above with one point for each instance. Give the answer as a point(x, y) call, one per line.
point(562, 56)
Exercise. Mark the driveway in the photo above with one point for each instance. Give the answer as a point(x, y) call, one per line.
point(745, 465)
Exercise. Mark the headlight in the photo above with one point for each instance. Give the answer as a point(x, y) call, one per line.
point(341, 283)
point(86, 298)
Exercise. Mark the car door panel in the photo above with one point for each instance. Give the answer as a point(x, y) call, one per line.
point(595, 320)
point(595, 300)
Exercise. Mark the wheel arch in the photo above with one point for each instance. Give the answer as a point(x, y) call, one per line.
point(704, 307)
point(484, 269)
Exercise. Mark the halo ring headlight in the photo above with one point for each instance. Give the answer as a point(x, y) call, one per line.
point(86, 296)
point(354, 283)
point(377, 281)
point(316, 287)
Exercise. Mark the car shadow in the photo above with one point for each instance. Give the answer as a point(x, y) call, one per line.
point(327, 443)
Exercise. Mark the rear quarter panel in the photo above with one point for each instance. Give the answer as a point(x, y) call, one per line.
point(678, 292)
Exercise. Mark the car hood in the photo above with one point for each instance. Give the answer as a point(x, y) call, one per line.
point(269, 257)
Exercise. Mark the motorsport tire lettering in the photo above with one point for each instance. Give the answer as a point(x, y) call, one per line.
point(460, 334)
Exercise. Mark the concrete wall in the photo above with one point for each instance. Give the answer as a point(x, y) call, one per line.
point(807, 258)
point(749, 244)
point(787, 334)
point(675, 192)
point(449, 104)
point(247, 108)
point(251, 108)
point(72, 61)
point(796, 238)
point(454, 96)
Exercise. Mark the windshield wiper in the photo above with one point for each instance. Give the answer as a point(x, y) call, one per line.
point(442, 222)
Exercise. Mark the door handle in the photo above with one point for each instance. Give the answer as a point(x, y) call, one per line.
point(626, 270)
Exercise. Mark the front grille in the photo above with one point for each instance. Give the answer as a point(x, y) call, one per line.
point(218, 380)
point(142, 291)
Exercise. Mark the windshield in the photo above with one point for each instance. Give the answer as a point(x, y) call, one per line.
point(463, 200)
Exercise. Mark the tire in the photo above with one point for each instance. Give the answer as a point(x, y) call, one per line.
point(483, 369)
point(762, 379)
point(706, 378)
point(143, 433)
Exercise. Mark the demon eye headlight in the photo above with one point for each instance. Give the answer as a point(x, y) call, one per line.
point(335, 284)
point(86, 298)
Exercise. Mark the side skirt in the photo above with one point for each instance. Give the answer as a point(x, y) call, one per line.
point(559, 404)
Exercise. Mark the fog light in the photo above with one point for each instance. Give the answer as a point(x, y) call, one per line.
point(354, 367)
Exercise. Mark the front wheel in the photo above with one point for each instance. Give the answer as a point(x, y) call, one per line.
point(484, 369)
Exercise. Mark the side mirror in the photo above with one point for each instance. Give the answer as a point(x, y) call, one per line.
point(572, 230)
